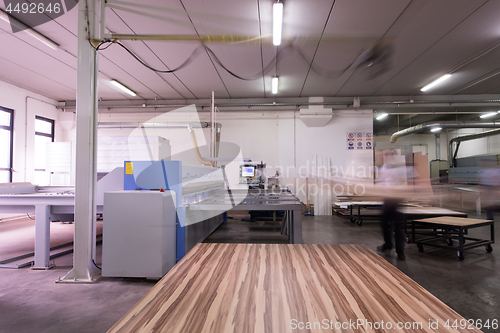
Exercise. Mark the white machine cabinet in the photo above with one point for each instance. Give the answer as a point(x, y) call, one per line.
point(139, 234)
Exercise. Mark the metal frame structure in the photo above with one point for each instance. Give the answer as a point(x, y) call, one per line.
point(11, 129)
point(47, 207)
point(416, 213)
point(448, 230)
point(268, 200)
point(375, 214)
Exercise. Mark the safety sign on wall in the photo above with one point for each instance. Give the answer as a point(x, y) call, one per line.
point(359, 140)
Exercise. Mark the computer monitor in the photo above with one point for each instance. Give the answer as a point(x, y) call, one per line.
point(247, 171)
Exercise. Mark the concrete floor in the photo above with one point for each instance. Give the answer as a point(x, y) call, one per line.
point(31, 301)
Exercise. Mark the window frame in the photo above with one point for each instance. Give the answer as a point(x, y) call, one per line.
point(10, 128)
point(47, 135)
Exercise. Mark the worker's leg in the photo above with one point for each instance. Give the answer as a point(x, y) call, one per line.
point(490, 210)
point(387, 224)
point(387, 232)
point(400, 232)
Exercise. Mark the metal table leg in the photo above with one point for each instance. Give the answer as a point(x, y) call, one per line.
point(492, 230)
point(296, 227)
point(460, 252)
point(42, 237)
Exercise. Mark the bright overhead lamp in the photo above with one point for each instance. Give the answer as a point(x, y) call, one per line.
point(436, 129)
point(274, 85)
point(487, 115)
point(381, 116)
point(434, 83)
point(277, 22)
point(122, 87)
point(33, 33)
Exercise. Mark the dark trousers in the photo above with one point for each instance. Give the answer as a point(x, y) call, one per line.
point(490, 210)
point(392, 220)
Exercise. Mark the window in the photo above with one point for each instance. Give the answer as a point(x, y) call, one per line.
point(44, 132)
point(6, 144)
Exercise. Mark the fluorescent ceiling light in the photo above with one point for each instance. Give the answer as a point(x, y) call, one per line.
point(33, 33)
point(381, 116)
point(436, 129)
point(487, 115)
point(434, 83)
point(274, 85)
point(277, 22)
point(122, 87)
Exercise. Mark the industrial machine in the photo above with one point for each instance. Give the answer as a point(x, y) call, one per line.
point(253, 174)
point(439, 171)
point(142, 239)
point(468, 170)
point(139, 234)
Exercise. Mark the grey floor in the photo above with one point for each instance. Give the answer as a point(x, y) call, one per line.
point(31, 301)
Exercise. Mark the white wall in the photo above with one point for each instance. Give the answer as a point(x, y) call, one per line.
point(299, 144)
point(26, 106)
point(281, 140)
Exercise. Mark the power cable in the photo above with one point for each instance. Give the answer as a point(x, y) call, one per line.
point(96, 265)
point(193, 55)
point(280, 55)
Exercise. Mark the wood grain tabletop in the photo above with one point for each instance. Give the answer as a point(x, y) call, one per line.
point(288, 288)
point(454, 221)
point(438, 211)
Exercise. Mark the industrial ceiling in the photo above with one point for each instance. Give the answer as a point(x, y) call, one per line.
point(324, 42)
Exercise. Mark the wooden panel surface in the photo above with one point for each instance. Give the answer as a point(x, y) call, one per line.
point(454, 221)
point(438, 211)
point(280, 288)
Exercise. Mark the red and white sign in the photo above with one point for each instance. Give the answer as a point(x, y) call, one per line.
point(359, 140)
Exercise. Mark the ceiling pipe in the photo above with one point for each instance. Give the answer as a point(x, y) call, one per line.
point(196, 149)
point(341, 102)
point(452, 157)
point(298, 104)
point(126, 125)
point(443, 124)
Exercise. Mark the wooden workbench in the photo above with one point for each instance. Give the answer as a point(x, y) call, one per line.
point(426, 212)
point(279, 287)
point(450, 229)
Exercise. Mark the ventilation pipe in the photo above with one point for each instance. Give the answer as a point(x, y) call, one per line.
point(189, 126)
point(438, 146)
point(453, 156)
point(443, 124)
point(196, 149)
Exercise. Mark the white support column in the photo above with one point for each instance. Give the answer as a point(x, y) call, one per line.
point(42, 237)
point(438, 147)
point(84, 270)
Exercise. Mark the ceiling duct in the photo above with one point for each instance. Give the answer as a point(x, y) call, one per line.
point(443, 124)
point(316, 115)
point(453, 156)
